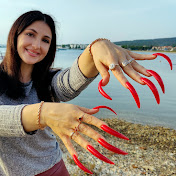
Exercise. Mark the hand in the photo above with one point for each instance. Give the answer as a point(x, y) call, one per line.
point(69, 121)
point(107, 55)
point(104, 53)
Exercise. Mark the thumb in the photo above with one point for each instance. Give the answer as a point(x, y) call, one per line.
point(105, 78)
point(88, 111)
point(103, 70)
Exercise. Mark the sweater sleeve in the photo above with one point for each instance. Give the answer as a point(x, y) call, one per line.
point(11, 127)
point(68, 83)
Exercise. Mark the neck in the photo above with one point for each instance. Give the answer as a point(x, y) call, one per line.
point(26, 72)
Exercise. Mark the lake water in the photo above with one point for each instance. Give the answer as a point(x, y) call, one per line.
point(122, 101)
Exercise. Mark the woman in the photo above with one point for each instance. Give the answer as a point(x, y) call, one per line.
point(27, 144)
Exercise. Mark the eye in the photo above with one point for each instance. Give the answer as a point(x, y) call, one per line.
point(46, 41)
point(29, 34)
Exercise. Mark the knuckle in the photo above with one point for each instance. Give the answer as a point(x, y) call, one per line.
point(88, 118)
point(118, 71)
point(84, 128)
point(103, 73)
point(75, 136)
point(96, 136)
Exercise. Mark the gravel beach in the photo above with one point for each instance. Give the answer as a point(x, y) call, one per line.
point(151, 151)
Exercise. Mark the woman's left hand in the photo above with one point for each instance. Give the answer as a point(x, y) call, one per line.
point(105, 53)
point(120, 61)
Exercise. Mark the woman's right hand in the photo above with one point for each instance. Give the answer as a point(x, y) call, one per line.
point(63, 118)
point(68, 122)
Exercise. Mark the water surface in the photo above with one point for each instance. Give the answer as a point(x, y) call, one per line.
point(122, 100)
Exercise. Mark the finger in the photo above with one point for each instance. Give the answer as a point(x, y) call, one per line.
point(86, 145)
point(103, 72)
point(89, 119)
point(86, 110)
point(106, 107)
point(80, 165)
point(117, 71)
point(120, 76)
point(137, 56)
point(137, 67)
point(128, 69)
point(102, 125)
point(86, 130)
point(67, 142)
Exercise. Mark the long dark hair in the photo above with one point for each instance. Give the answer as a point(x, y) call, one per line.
point(10, 66)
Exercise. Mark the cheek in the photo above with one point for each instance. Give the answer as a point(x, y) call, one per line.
point(18, 45)
point(21, 43)
point(46, 50)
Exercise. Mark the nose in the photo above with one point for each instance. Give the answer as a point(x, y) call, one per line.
point(36, 44)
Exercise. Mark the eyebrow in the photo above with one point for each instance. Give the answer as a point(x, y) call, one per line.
point(37, 33)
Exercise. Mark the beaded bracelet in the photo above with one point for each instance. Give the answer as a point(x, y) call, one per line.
point(38, 115)
point(99, 39)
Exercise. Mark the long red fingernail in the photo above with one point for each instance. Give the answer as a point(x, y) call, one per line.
point(111, 147)
point(113, 132)
point(98, 154)
point(166, 57)
point(102, 92)
point(80, 165)
point(158, 78)
point(98, 107)
point(134, 93)
point(153, 89)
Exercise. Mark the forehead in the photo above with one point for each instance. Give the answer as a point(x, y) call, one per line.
point(41, 28)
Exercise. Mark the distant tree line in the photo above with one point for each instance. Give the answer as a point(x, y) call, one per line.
point(149, 42)
point(134, 47)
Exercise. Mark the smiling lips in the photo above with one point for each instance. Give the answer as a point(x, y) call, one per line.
point(32, 53)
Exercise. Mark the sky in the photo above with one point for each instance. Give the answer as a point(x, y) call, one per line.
point(81, 21)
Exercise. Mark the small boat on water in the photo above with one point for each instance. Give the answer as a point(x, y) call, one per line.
point(58, 49)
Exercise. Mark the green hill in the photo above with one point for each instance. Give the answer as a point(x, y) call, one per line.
point(149, 42)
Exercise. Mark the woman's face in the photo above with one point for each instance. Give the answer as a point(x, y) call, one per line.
point(34, 42)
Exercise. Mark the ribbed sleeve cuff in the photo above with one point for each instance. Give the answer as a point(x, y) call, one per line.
point(10, 121)
point(77, 79)
point(70, 82)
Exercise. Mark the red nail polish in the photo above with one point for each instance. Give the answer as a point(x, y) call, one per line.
point(98, 107)
point(102, 92)
point(113, 132)
point(111, 147)
point(158, 78)
point(134, 93)
point(98, 155)
point(153, 89)
point(166, 57)
point(80, 165)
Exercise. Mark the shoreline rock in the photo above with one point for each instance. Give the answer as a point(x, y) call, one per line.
point(151, 151)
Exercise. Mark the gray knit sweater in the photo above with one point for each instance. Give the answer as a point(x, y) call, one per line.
point(22, 154)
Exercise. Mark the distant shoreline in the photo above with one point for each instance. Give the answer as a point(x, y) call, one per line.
point(154, 51)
